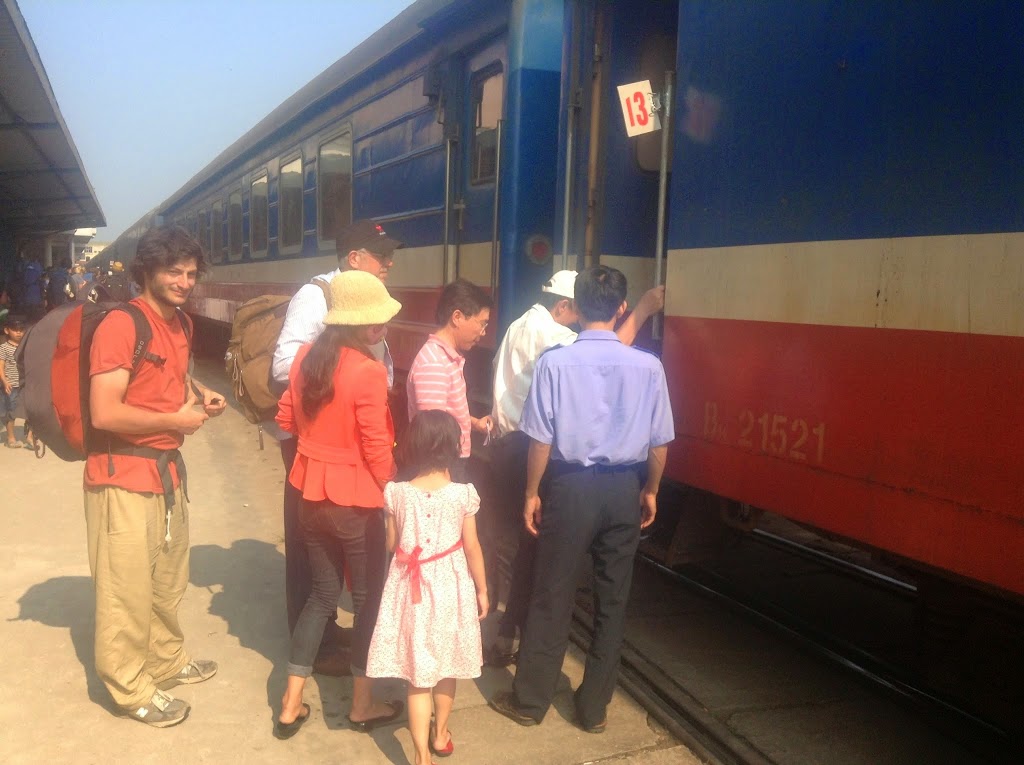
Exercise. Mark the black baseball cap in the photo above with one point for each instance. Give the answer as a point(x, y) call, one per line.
point(14, 322)
point(366, 235)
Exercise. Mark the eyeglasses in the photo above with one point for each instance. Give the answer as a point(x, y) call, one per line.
point(385, 260)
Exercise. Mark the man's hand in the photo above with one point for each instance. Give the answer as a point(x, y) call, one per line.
point(648, 507)
point(482, 424)
point(213, 403)
point(189, 420)
point(652, 302)
point(531, 515)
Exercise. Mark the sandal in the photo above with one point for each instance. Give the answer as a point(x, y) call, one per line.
point(14, 445)
point(287, 730)
point(365, 726)
point(445, 751)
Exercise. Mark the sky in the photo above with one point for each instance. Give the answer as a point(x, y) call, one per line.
point(153, 90)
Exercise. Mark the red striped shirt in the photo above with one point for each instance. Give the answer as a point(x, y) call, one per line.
point(436, 381)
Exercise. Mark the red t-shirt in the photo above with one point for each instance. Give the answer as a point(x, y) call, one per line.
point(154, 387)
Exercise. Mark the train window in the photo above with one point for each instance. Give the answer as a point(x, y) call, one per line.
point(258, 212)
point(235, 226)
point(488, 96)
point(290, 224)
point(217, 227)
point(203, 230)
point(334, 185)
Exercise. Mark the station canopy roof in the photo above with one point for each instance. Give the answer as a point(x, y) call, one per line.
point(43, 185)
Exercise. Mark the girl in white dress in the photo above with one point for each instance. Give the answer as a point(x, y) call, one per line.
point(428, 626)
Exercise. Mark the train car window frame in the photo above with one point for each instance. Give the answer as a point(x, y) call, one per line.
point(203, 231)
point(235, 248)
point(327, 235)
point(190, 223)
point(479, 176)
point(255, 251)
point(295, 247)
point(217, 232)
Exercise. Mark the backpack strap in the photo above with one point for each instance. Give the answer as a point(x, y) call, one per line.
point(144, 335)
point(325, 288)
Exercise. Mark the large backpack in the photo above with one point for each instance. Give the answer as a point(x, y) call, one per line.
point(53, 361)
point(254, 332)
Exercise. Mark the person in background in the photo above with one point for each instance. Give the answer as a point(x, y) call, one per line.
point(428, 628)
point(10, 381)
point(337, 405)
point(78, 281)
point(136, 498)
point(362, 246)
point(550, 322)
point(59, 290)
point(599, 421)
point(28, 290)
point(436, 379)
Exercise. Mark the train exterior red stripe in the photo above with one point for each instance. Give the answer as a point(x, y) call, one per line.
point(779, 415)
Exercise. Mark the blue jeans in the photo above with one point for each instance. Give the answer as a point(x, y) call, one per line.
point(9, 404)
point(333, 536)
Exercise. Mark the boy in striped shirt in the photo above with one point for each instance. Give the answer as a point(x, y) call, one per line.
point(10, 381)
point(436, 379)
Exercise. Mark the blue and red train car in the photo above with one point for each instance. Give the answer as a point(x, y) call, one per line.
point(844, 329)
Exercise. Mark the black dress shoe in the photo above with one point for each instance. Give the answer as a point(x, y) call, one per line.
point(495, 657)
point(504, 703)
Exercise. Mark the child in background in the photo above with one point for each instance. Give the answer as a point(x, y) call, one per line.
point(10, 380)
point(428, 626)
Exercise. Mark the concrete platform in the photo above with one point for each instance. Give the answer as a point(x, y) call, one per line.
point(55, 710)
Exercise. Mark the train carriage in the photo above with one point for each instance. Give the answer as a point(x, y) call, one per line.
point(844, 262)
point(844, 333)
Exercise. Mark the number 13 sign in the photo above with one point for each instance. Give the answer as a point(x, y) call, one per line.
point(637, 111)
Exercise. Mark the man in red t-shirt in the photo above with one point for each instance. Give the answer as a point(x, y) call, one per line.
point(136, 503)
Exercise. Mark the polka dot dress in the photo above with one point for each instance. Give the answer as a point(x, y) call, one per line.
point(438, 637)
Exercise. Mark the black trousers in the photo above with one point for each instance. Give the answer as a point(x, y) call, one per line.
point(586, 511)
point(509, 460)
point(335, 536)
point(298, 582)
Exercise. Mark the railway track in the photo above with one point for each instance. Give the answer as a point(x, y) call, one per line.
point(668, 700)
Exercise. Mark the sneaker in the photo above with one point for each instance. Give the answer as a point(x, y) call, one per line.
point(196, 671)
point(162, 711)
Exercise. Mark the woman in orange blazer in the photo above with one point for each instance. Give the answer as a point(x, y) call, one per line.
point(337, 405)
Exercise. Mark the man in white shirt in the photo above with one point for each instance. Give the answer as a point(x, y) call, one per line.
point(549, 322)
point(362, 246)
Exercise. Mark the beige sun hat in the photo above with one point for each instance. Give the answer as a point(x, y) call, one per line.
point(359, 298)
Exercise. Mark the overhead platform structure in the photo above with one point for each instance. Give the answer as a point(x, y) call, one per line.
point(44, 189)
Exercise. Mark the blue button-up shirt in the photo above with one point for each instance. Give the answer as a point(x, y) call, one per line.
point(598, 402)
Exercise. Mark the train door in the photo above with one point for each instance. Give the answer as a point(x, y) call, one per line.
point(609, 181)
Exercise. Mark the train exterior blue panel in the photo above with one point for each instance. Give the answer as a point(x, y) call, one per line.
point(834, 120)
point(530, 149)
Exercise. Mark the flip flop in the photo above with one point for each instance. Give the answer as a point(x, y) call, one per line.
point(287, 730)
point(14, 445)
point(445, 751)
point(365, 726)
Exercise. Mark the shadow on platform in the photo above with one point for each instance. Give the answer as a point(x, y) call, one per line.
point(69, 602)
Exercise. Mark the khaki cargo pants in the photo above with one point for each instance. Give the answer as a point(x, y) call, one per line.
point(140, 579)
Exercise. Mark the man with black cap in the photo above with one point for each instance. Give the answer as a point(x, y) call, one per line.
point(362, 246)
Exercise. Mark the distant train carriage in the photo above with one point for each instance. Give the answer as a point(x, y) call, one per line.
point(844, 333)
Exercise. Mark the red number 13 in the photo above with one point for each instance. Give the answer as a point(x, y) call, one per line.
point(642, 117)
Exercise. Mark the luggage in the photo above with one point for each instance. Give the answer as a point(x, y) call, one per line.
point(53, 361)
point(254, 332)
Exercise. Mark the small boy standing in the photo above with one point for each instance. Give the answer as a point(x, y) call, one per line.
point(14, 329)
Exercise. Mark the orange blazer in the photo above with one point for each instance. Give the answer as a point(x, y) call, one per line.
point(345, 452)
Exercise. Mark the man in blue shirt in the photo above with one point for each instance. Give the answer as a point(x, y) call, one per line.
point(599, 421)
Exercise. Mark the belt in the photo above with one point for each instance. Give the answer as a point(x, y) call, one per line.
point(412, 562)
point(163, 459)
point(557, 468)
